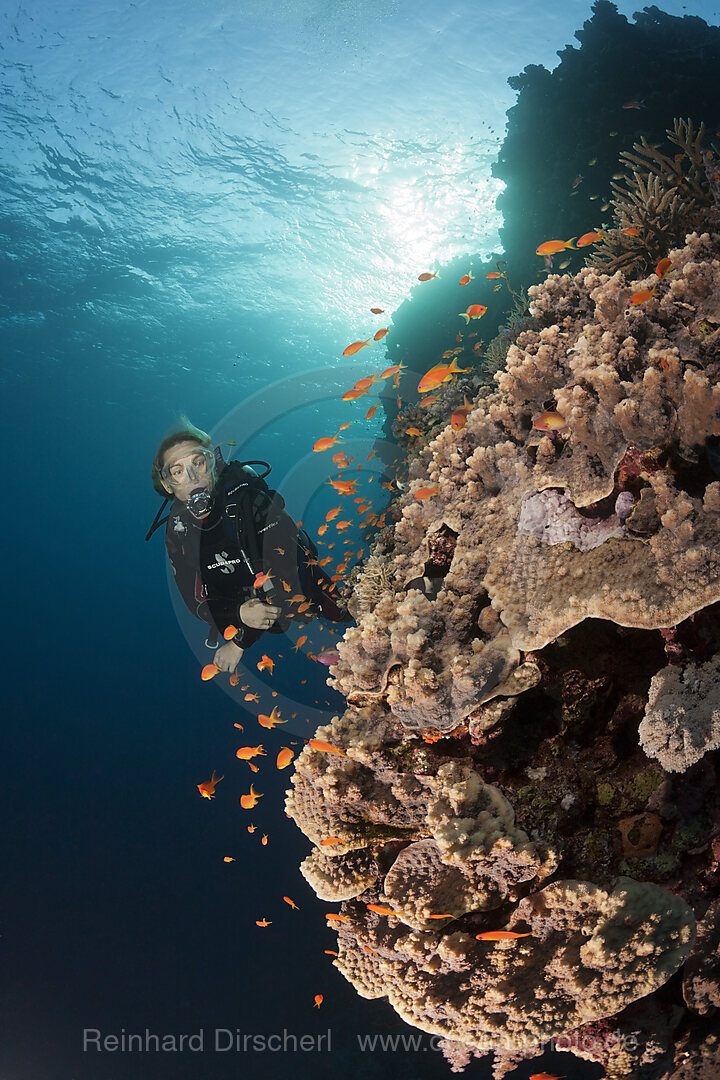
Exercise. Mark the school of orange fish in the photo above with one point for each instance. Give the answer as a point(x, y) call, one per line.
point(549, 422)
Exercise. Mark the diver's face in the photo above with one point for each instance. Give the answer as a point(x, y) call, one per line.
point(187, 467)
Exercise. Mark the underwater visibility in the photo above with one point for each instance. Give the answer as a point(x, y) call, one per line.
point(429, 424)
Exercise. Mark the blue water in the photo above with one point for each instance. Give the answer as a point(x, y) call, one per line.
point(199, 202)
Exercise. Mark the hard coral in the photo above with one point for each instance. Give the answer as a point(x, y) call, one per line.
point(682, 716)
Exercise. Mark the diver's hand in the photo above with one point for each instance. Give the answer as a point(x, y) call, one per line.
point(258, 615)
point(228, 656)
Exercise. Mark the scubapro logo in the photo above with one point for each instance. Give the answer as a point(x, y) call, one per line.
point(227, 566)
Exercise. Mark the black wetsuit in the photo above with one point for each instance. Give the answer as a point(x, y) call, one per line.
point(215, 561)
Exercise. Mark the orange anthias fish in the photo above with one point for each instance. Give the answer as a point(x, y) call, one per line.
point(466, 278)
point(331, 840)
point(248, 801)
point(352, 395)
point(234, 679)
point(209, 672)
point(439, 374)
point(252, 697)
point(326, 443)
point(460, 415)
point(475, 311)
point(589, 238)
point(377, 310)
point(207, 790)
point(300, 642)
point(344, 487)
point(380, 334)
point(345, 425)
point(271, 720)
point(662, 267)
point(329, 952)
point(380, 910)
point(641, 297)
point(251, 828)
point(426, 492)
point(229, 632)
point(337, 918)
point(228, 858)
point(261, 579)
point(429, 400)
point(265, 663)
point(263, 922)
point(371, 412)
point(245, 753)
point(493, 275)
point(264, 840)
point(500, 935)
point(547, 1076)
point(631, 231)
point(550, 421)
point(318, 1001)
point(394, 370)
point(292, 904)
point(552, 247)
point(325, 747)
point(356, 347)
point(427, 277)
point(284, 757)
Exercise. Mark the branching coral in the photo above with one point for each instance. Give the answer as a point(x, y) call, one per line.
point(661, 199)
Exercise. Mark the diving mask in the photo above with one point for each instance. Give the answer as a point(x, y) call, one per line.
point(193, 466)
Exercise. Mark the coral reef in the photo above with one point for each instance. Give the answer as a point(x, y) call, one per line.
point(531, 731)
point(659, 201)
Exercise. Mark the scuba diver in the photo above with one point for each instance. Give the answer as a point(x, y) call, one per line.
point(237, 556)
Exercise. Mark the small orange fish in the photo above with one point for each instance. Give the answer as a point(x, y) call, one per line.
point(318, 1001)
point(466, 278)
point(292, 904)
point(252, 697)
point(239, 726)
point(343, 427)
point(381, 333)
point(245, 753)
point(330, 952)
point(352, 395)
point(500, 935)
point(300, 642)
point(662, 267)
point(209, 672)
point(344, 487)
point(493, 275)
point(380, 910)
point(394, 370)
point(261, 579)
point(337, 918)
point(284, 757)
point(234, 679)
point(356, 347)
point(228, 858)
point(589, 238)
point(264, 840)
point(371, 412)
point(439, 374)
point(547, 1076)
point(265, 663)
point(552, 247)
point(331, 840)
point(248, 801)
point(207, 790)
point(271, 720)
point(326, 443)
point(377, 310)
point(426, 492)
point(253, 767)
point(251, 828)
point(460, 415)
point(641, 297)
point(475, 311)
point(631, 232)
point(550, 421)
point(263, 922)
point(413, 431)
point(441, 916)
point(325, 747)
point(427, 277)
point(229, 632)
